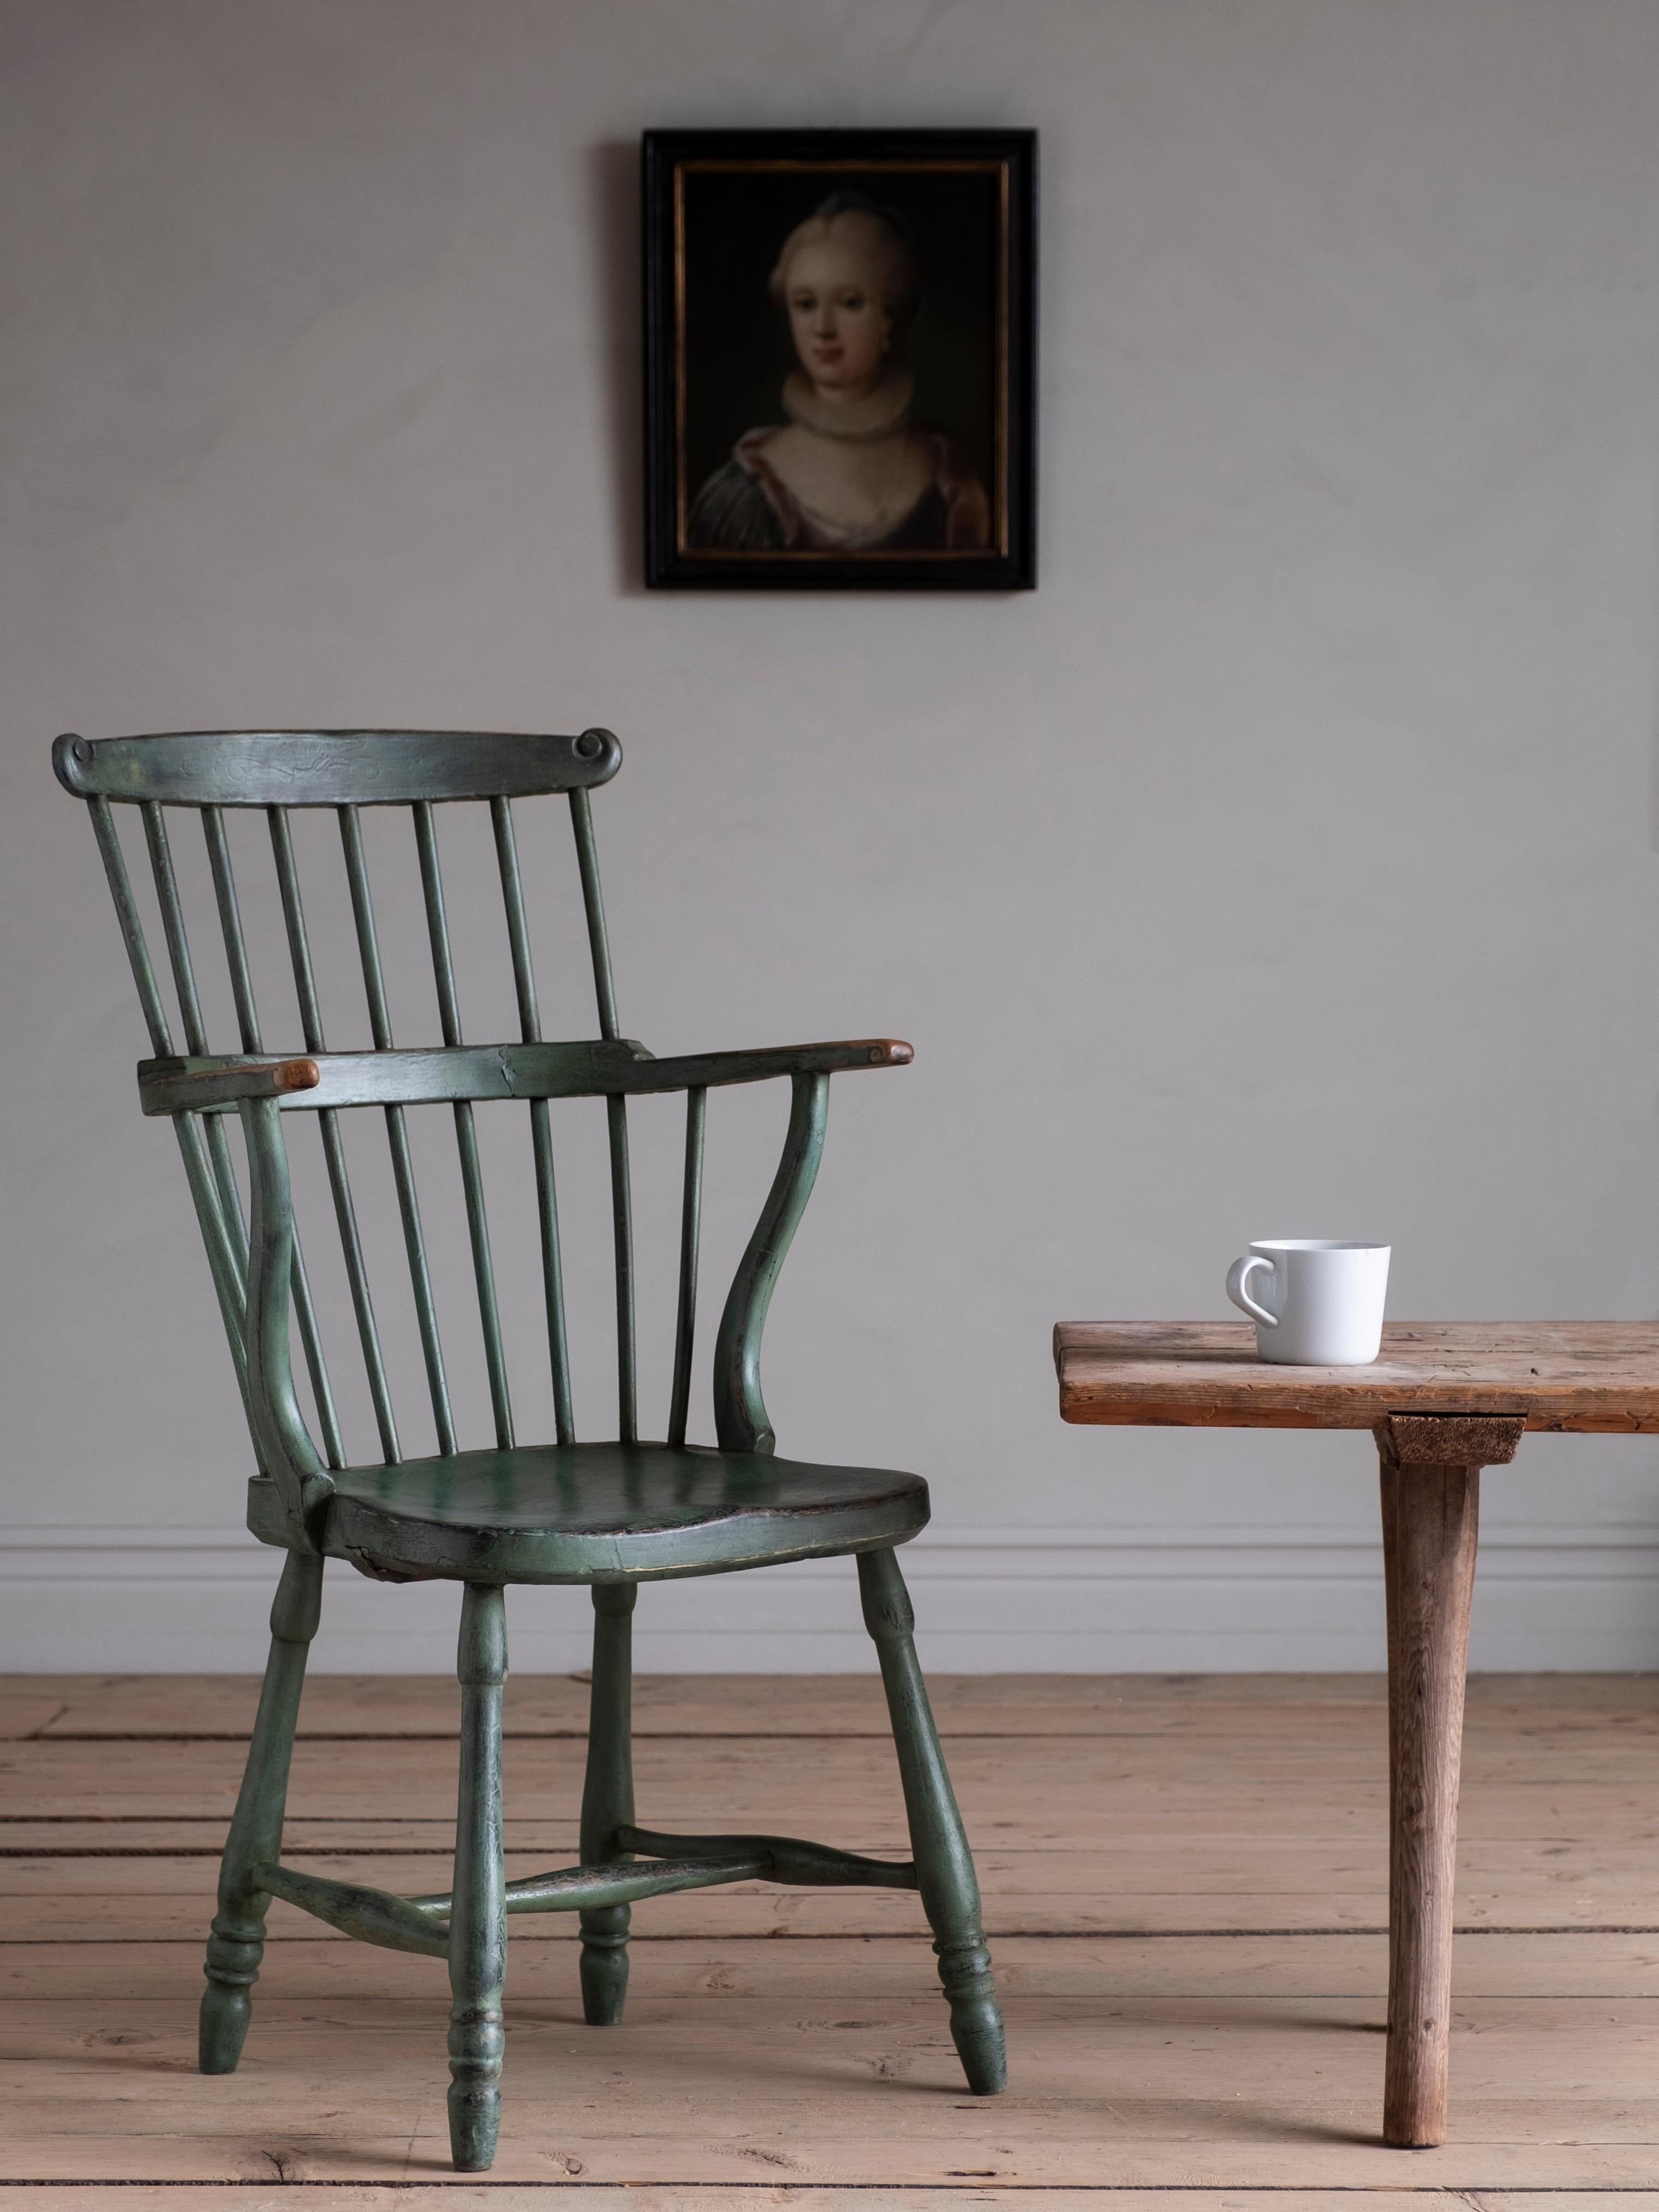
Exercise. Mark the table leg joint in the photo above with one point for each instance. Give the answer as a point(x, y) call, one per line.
point(1449, 1439)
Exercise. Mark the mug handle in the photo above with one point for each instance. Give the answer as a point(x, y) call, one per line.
point(1238, 1276)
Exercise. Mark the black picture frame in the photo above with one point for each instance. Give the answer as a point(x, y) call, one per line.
point(717, 207)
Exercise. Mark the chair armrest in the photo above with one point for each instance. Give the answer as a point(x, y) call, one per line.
point(595, 1068)
point(174, 1086)
point(698, 1070)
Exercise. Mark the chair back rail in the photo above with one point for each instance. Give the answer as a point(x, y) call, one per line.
point(257, 1264)
point(332, 767)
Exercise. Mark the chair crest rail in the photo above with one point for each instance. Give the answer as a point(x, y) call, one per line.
point(448, 1074)
point(331, 767)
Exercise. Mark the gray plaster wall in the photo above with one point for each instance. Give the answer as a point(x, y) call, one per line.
point(1284, 864)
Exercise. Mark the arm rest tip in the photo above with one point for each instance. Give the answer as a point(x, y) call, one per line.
point(176, 1087)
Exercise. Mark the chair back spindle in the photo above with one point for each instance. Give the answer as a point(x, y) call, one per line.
point(230, 924)
point(231, 1230)
point(541, 1130)
point(403, 1165)
point(340, 1181)
point(581, 817)
point(466, 1135)
point(696, 1100)
point(227, 1284)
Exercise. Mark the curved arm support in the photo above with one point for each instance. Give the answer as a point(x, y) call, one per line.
point(279, 1426)
point(740, 1419)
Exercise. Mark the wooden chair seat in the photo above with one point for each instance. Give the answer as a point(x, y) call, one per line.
point(600, 1512)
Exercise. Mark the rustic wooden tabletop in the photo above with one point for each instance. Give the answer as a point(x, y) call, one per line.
point(1596, 1376)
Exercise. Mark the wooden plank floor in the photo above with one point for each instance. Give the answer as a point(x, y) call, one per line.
point(1185, 1883)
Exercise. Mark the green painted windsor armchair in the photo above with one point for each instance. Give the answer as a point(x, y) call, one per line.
point(612, 1513)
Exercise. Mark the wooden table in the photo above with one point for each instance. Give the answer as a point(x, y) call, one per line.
point(1443, 1401)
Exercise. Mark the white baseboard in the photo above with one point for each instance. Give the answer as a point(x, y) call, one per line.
point(1144, 1599)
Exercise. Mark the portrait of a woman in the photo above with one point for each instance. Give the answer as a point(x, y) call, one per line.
point(840, 349)
point(852, 467)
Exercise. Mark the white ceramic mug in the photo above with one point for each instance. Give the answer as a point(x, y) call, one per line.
point(1316, 1302)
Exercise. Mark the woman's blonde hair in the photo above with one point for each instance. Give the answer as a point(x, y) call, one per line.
point(875, 233)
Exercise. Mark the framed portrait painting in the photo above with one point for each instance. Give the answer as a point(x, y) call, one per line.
point(840, 339)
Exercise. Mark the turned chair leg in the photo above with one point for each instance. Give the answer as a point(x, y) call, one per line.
point(1431, 1468)
point(608, 1798)
point(944, 1865)
point(237, 1943)
point(477, 1918)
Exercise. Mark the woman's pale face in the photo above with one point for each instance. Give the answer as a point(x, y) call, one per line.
point(837, 319)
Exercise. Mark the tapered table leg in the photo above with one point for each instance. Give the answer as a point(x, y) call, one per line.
point(1430, 1491)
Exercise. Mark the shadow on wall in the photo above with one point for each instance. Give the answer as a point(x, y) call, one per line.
point(613, 172)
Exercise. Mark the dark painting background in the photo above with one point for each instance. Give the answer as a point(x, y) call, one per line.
point(737, 350)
